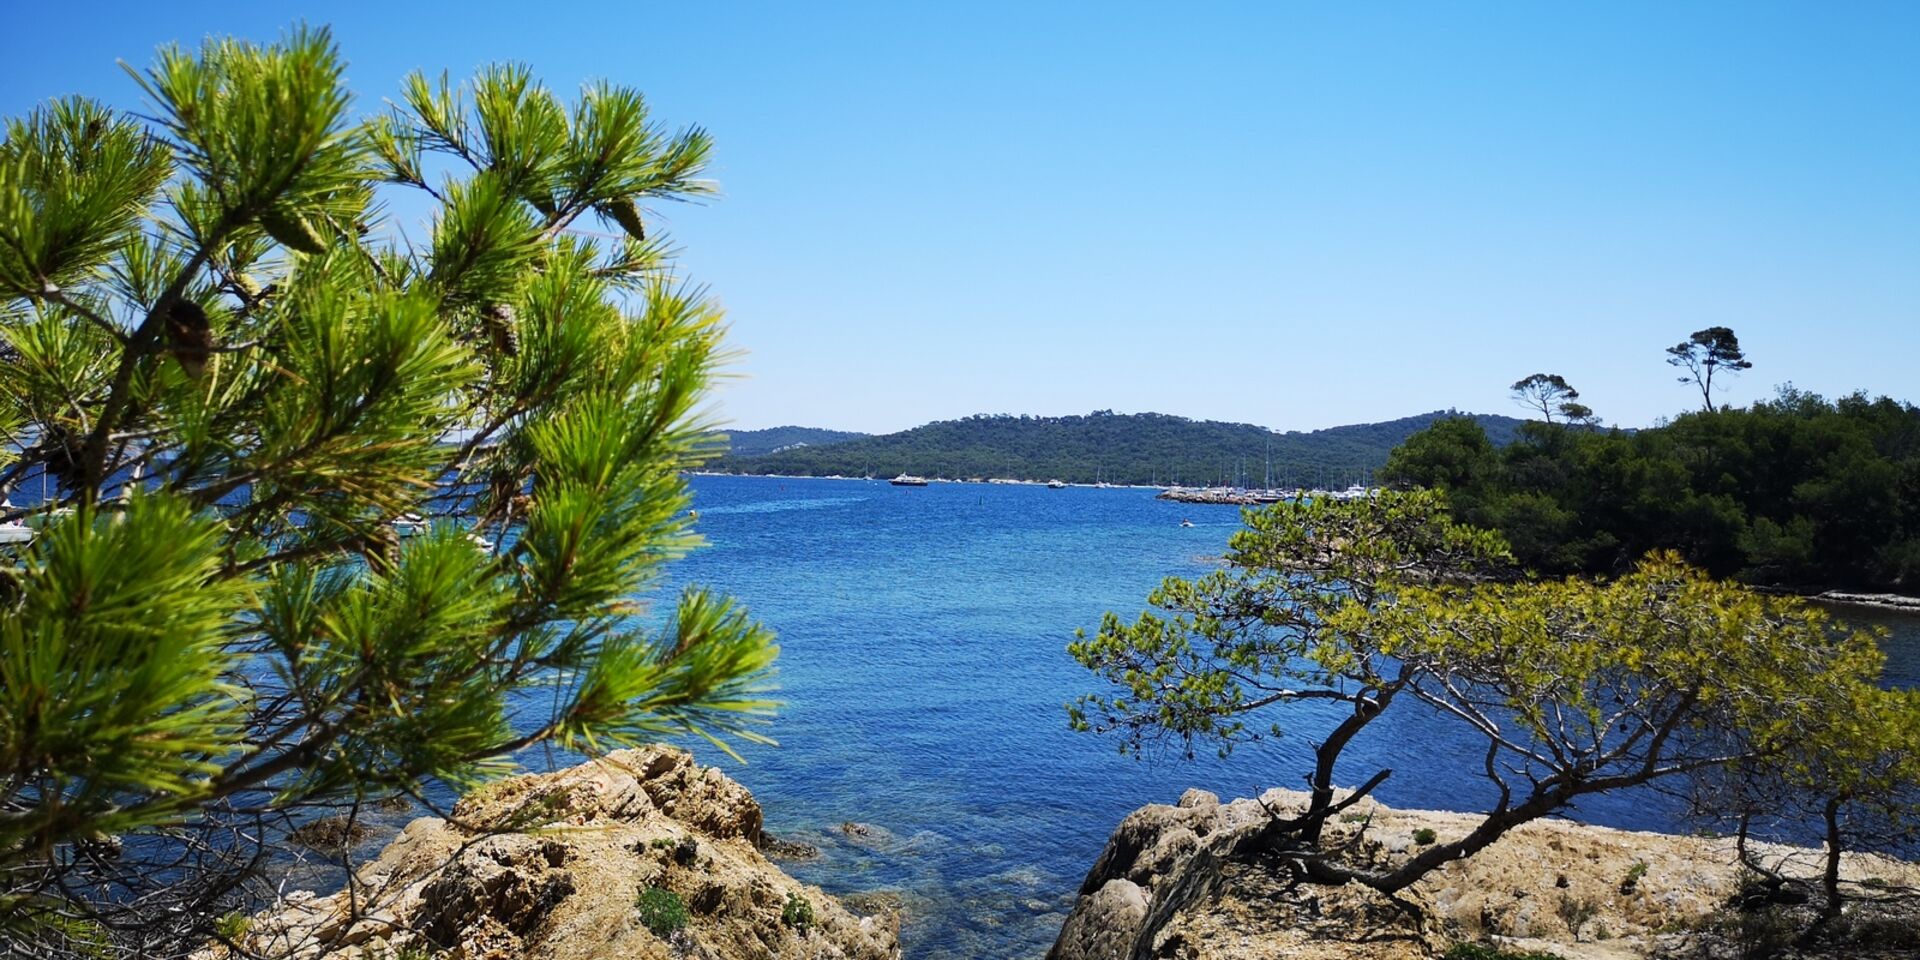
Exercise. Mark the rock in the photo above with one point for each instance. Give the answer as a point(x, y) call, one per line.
point(876, 903)
point(330, 835)
point(480, 886)
point(1105, 923)
point(1195, 799)
point(1188, 882)
point(780, 848)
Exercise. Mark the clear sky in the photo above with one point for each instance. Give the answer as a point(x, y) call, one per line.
point(1293, 214)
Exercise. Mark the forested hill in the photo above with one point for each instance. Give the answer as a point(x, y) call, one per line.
point(753, 443)
point(1116, 448)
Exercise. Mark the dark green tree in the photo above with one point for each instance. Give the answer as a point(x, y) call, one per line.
point(1550, 393)
point(335, 514)
point(1705, 353)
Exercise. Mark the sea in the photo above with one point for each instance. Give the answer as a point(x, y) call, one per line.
point(923, 736)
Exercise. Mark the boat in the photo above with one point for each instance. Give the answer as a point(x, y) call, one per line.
point(13, 531)
point(408, 524)
point(1055, 485)
point(1186, 523)
point(908, 480)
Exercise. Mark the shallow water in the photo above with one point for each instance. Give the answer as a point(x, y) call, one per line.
point(924, 671)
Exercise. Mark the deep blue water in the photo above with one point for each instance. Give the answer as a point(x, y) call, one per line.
point(924, 673)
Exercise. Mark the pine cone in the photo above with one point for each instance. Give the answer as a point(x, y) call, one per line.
point(294, 231)
point(189, 336)
point(498, 321)
point(627, 214)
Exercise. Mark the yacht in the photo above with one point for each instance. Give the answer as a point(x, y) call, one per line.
point(13, 531)
point(908, 480)
point(1055, 485)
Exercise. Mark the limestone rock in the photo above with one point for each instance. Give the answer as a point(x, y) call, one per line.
point(1178, 882)
point(549, 866)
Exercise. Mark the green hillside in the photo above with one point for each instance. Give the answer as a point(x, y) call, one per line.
point(1117, 448)
point(753, 443)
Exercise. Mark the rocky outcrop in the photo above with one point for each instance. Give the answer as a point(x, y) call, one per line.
point(1187, 882)
point(554, 866)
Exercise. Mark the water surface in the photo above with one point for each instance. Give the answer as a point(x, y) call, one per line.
point(924, 670)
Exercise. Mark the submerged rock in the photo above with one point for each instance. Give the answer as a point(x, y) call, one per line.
point(550, 866)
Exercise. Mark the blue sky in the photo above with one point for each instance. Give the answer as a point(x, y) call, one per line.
point(1297, 215)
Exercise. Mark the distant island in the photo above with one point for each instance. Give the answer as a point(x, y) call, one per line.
point(1142, 448)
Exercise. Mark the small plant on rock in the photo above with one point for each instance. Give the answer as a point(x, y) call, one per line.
point(232, 926)
point(1424, 836)
point(1478, 951)
point(1634, 874)
point(662, 911)
point(798, 913)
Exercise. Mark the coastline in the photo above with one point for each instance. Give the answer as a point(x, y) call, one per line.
point(1895, 602)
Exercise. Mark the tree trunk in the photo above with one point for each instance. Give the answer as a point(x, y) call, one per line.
point(1830, 878)
point(1324, 757)
point(1492, 828)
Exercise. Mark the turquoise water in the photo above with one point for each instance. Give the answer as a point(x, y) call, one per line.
point(924, 673)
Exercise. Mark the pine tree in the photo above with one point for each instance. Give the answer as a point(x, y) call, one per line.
point(344, 505)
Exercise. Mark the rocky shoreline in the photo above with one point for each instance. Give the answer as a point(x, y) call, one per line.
point(1174, 883)
point(1881, 601)
point(577, 864)
point(640, 854)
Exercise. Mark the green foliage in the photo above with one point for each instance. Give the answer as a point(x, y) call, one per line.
point(753, 443)
point(243, 385)
point(1425, 836)
point(661, 911)
point(1141, 448)
point(1476, 951)
point(1798, 491)
point(1707, 352)
point(1577, 686)
point(798, 912)
point(232, 926)
point(1292, 617)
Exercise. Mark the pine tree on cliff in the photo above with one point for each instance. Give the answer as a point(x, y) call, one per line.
point(341, 506)
point(1571, 687)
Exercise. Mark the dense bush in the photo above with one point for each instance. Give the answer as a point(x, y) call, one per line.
point(1797, 492)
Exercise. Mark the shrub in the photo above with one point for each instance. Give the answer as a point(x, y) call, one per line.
point(232, 926)
point(1478, 951)
point(798, 913)
point(661, 911)
point(1634, 875)
point(1576, 912)
point(1424, 836)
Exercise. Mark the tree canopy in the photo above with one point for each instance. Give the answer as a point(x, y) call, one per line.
point(1142, 448)
point(1707, 352)
point(336, 509)
point(1575, 686)
point(1798, 491)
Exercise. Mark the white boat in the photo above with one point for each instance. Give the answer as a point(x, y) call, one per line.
point(1186, 523)
point(13, 531)
point(409, 524)
point(1055, 485)
point(908, 480)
